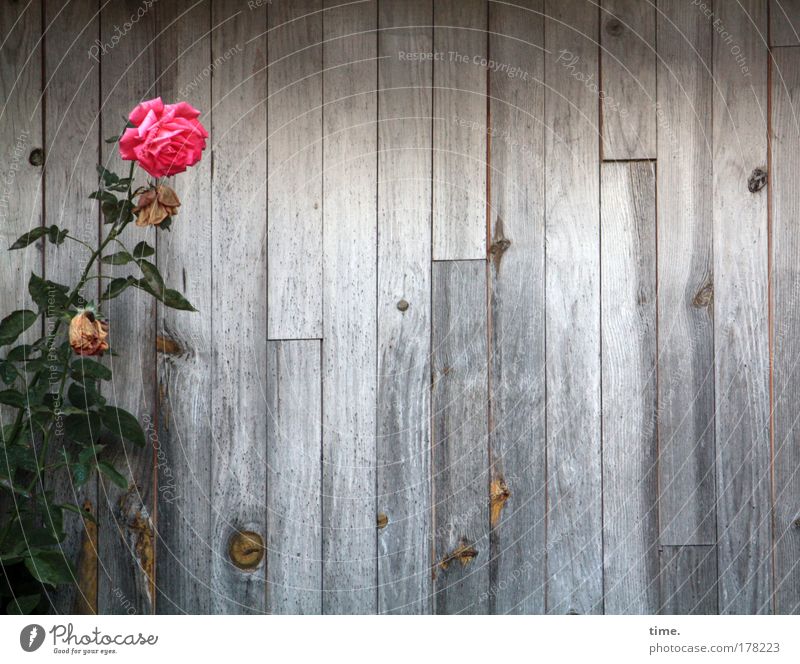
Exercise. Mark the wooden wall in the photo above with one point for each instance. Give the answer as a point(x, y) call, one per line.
point(502, 330)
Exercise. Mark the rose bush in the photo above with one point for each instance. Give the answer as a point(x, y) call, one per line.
point(55, 418)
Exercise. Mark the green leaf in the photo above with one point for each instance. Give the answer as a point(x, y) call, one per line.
point(13, 398)
point(55, 235)
point(10, 486)
point(91, 369)
point(84, 428)
point(174, 299)
point(29, 238)
point(113, 474)
point(124, 425)
point(23, 353)
point(90, 453)
point(107, 176)
point(8, 372)
point(104, 197)
point(77, 510)
point(24, 605)
point(83, 396)
point(15, 324)
point(80, 474)
point(120, 258)
point(152, 277)
point(48, 295)
point(164, 225)
point(143, 250)
point(116, 286)
point(113, 139)
point(50, 567)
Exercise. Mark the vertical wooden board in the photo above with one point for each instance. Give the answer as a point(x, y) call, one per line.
point(628, 73)
point(20, 181)
point(404, 255)
point(294, 477)
point(349, 349)
point(295, 170)
point(517, 374)
point(459, 130)
point(786, 325)
point(72, 149)
point(125, 531)
point(460, 437)
point(574, 526)
point(239, 318)
point(183, 435)
point(688, 581)
point(630, 448)
point(784, 23)
point(685, 278)
point(741, 311)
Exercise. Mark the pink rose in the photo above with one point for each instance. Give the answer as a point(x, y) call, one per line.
point(166, 138)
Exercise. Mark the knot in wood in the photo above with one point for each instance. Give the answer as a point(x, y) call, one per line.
point(614, 27)
point(402, 305)
point(464, 553)
point(498, 495)
point(704, 297)
point(246, 549)
point(383, 521)
point(36, 157)
point(757, 180)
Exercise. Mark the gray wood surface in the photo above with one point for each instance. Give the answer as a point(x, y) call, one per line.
point(294, 156)
point(572, 310)
point(71, 149)
point(349, 301)
point(688, 580)
point(460, 437)
point(741, 313)
point(238, 306)
point(628, 67)
point(459, 130)
point(685, 278)
point(786, 323)
point(516, 261)
point(630, 447)
point(294, 477)
point(181, 433)
point(404, 308)
point(125, 530)
point(784, 23)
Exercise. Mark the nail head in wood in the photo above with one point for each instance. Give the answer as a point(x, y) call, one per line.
point(36, 157)
point(757, 180)
point(402, 305)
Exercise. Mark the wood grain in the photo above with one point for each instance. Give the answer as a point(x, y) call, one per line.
point(685, 278)
point(786, 324)
point(238, 305)
point(459, 130)
point(125, 529)
point(182, 432)
point(295, 170)
point(688, 580)
point(404, 309)
point(294, 477)
point(628, 68)
point(741, 313)
point(572, 311)
point(630, 448)
point(784, 24)
point(350, 290)
point(72, 132)
point(516, 261)
point(460, 437)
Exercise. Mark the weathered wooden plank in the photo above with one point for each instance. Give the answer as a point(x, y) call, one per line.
point(574, 527)
point(688, 581)
point(294, 478)
point(741, 311)
point(20, 180)
point(125, 530)
point(628, 68)
point(404, 293)
point(182, 432)
point(72, 134)
point(784, 24)
point(517, 378)
point(460, 437)
point(295, 170)
point(630, 447)
point(685, 278)
point(459, 131)
point(238, 347)
point(349, 350)
point(786, 324)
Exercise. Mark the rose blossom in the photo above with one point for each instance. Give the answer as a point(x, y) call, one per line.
point(166, 138)
point(87, 335)
point(155, 205)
